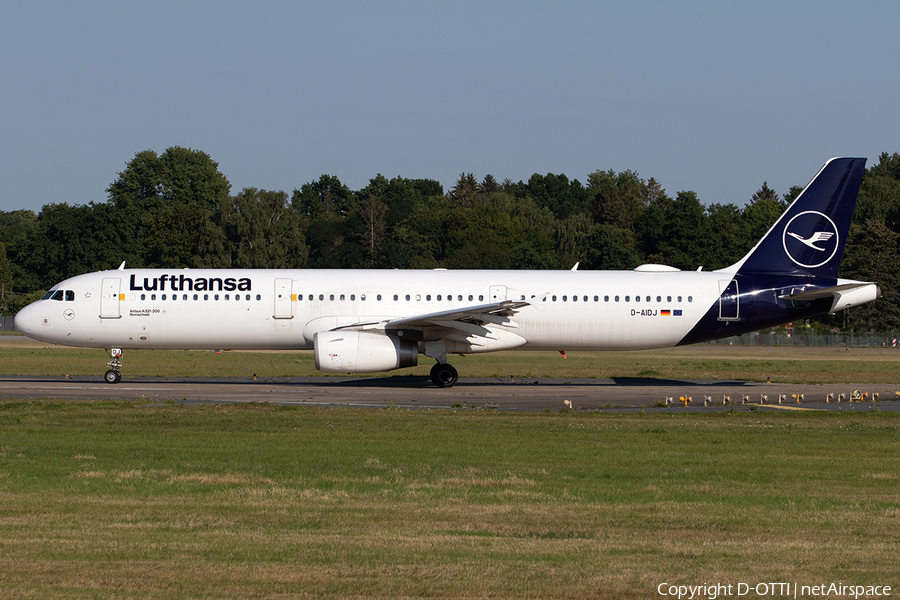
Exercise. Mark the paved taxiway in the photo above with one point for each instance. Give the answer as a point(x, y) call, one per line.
point(618, 395)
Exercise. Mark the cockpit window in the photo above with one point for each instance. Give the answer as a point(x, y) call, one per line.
point(59, 295)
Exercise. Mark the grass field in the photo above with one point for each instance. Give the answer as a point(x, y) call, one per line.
point(20, 356)
point(128, 500)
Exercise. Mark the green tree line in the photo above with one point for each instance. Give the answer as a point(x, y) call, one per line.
point(176, 209)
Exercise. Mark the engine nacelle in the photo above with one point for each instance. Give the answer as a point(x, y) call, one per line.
point(362, 352)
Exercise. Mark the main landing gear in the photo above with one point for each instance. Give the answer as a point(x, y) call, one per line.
point(115, 363)
point(444, 375)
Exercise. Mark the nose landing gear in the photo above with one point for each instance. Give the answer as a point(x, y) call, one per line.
point(115, 363)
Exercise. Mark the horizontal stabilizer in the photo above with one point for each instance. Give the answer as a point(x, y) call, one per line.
point(846, 294)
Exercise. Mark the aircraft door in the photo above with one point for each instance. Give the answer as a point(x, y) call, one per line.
point(729, 308)
point(284, 306)
point(110, 298)
point(497, 293)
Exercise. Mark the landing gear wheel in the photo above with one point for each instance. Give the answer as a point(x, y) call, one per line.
point(444, 375)
point(115, 363)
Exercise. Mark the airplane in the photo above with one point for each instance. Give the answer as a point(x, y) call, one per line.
point(363, 321)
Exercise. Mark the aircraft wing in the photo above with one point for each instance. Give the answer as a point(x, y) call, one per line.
point(496, 313)
point(478, 325)
point(465, 324)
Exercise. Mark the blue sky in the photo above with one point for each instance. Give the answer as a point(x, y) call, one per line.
point(714, 97)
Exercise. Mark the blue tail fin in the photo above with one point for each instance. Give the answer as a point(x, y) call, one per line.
point(808, 239)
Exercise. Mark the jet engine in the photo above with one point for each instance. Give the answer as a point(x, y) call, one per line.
point(362, 352)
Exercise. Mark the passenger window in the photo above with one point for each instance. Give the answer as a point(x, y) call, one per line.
point(395, 297)
point(690, 298)
point(438, 297)
point(342, 297)
point(216, 297)
point(196, 297)
point(163, 297)
point(480, 297)
point(627, 298)
point(668, 298)
point(585, 298)
point(470, 297)
point(407, 297)
point(565, 298)
point(247, 297)
point(679, 298)
point(659, 298)
point(459, 298)
point(143, 296)
point(648, 298)
point(258, 297)
point(378, 297)
point(606, 298)
point(554, 298)
point(237, 297)
point(363, 297)
point(331, 297)
point(310, 298)
point(617, 298)
point(428, 297)
point(206, 296)
point(352, 297)
point(636, 298)
point(418, 297)
point(226, 297)
point(153, 296)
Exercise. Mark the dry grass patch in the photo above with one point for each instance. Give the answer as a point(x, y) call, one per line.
point(252, 502)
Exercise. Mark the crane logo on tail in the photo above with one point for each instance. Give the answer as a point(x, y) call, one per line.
point(810, 239)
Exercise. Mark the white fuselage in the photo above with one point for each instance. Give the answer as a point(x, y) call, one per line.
point(284, 309)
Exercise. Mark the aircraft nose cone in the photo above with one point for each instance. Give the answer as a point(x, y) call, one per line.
point(24, 320)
